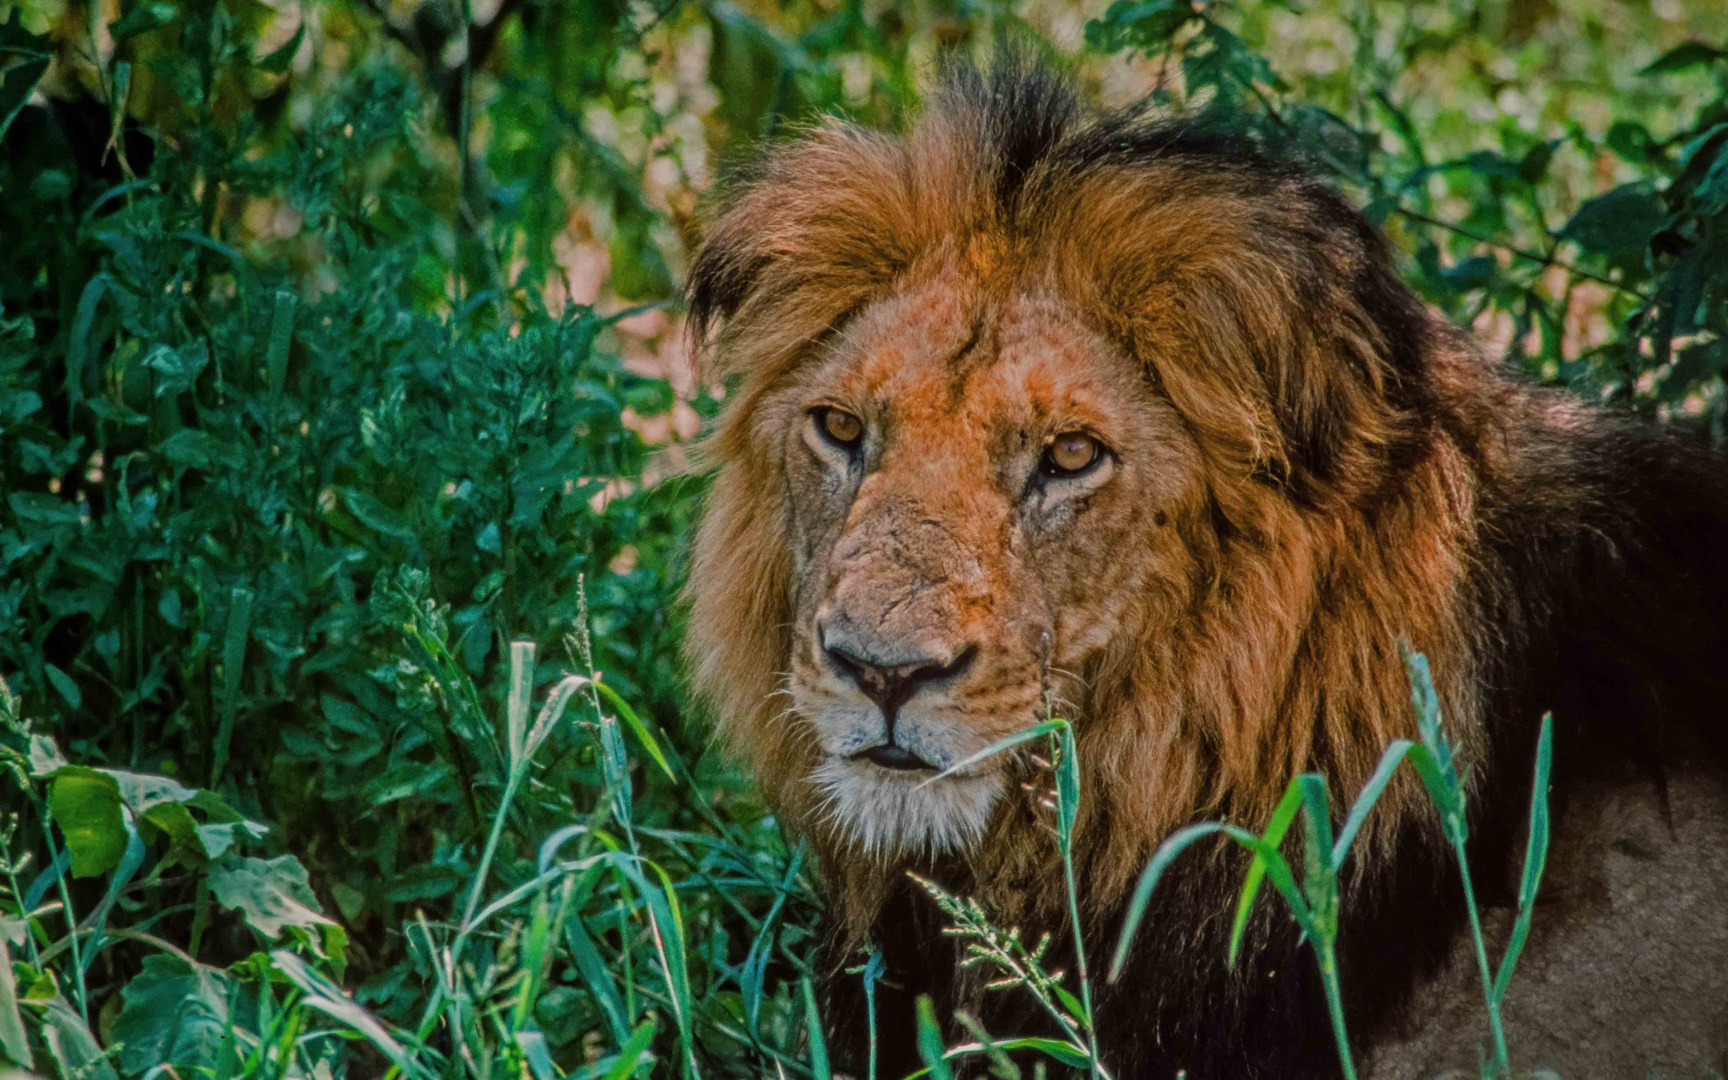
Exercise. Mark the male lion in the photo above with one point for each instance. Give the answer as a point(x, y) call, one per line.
point(1039, 403)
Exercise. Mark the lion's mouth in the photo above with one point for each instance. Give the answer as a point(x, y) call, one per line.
point(893, 756)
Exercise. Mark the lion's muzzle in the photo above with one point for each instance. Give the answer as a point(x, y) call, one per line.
point(890, 681)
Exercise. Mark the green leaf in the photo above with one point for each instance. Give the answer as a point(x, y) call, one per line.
point(1488, 163)
point(328, 998)
point(1617, 225)
point(1476, 272)
point(16, 85)
point(409, 780)
point(142, 19)
point(1370, 794)
point(819, 1069)
point(174, 1013)
point(274, 895)
point(14, 1043)
point(1630, 140)
point(631, 1053)
point(278, 59)
point(1067, 787)
point(1147, 26)
point(281, 336)
point(629, 715)
point(71, 1044)
point(1687, 55)
point(1149, 878)
point(1067, 1053)
point(236, 629)
point(85, 803)
point(63, 683)
point(425, 881)
point(1533, 166)
point(1282, 816)
point(376, 516)
point(1535, 858)
point(1318, 877)
point(79, 347)
point(930, 1046)
point(597, 977)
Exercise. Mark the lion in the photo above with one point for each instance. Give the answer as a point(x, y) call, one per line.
point(1042, 408)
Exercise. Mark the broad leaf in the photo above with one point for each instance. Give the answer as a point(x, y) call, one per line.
point(175, 1013)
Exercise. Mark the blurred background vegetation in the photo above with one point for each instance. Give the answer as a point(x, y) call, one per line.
point(340, 349)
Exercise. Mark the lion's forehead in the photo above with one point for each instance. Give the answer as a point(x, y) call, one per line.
point(945, 363)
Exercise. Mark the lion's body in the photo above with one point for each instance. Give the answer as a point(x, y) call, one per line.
point(1299, 466)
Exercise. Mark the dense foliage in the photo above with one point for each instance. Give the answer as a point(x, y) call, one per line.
point(308, 411)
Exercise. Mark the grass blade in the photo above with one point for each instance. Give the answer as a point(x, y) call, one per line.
point(1317, 820)
point(1535, 857)
point(629, 716)
point(630, 1054)
point(520, 701)
point(1067, 789)
point(1161, 860)
point(813, 1029)
point(592, 969)
point(930, 1046)
point(1282, 816)
point(1370, 794)
point(1043, 727)
point(234, 635)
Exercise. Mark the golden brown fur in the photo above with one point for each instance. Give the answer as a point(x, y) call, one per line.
point(1305, 468)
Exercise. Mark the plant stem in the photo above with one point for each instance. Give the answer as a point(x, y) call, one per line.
point(71, 917)
point(1080, 954)
point(1500, 1065)
point(1529, 256)
point(1065, 843)
point(1335, 1006)
point(491, 847)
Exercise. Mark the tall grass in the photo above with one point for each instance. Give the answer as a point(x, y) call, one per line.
point(616, 928)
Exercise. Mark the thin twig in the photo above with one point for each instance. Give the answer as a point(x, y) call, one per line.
point(1532, 256)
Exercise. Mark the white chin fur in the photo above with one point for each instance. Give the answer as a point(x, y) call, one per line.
point(886, 812)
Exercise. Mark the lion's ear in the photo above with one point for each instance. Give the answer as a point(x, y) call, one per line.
point(726, 267)
point(822, 223)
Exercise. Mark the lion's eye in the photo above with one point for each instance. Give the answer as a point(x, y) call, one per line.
point(1070, 454)
point(841, 426)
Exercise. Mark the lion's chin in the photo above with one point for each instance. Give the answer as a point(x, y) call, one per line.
point(888, 812)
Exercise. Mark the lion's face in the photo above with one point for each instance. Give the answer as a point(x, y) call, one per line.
point(965, 476)
point(1028, 401)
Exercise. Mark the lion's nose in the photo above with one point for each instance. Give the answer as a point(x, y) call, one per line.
point(891, 685)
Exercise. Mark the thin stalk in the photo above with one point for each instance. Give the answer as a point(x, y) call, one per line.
point(1501, 1065)
point(1335, 1006)
point(1518, 252)
point(870, 1016)
point(71, 922)
point(1065, 845)
point(1080, 953)
point(492, 838)
point(18, 894)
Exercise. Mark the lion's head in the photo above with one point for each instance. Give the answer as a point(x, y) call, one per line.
point(1033, 404)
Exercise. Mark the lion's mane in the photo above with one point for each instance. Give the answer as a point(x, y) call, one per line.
point(1371, 478)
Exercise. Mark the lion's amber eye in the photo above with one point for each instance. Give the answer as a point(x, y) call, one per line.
point(1070, 452)
point(841, 426)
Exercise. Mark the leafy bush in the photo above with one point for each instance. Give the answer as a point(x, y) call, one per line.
point(1497, 237)
point(302, 437)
